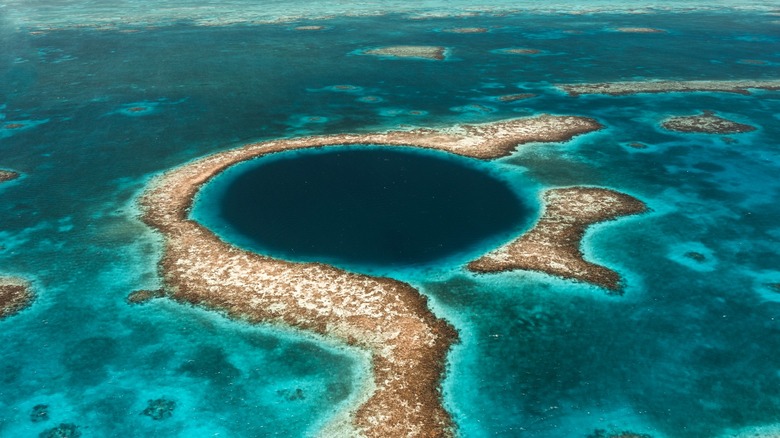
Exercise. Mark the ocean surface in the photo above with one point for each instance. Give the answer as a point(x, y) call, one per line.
point(97, 98)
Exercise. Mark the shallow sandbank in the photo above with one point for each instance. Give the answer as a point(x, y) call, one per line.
point(553, 244)
point(624, 88)
point(389, 319)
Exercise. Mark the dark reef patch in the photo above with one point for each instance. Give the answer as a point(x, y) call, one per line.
point(144, 295)
point(39, 413)
point(291, 394)
point(696, 256)
point(64, 430)
point(159, 409)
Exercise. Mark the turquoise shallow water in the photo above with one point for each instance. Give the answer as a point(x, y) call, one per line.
point(687, 351)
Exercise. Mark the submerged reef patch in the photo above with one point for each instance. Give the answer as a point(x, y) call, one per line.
point(705, 123)
point(433, 53)
point(601, 433)
point(635, 87)
point(474, 108)
point(387, 318)
point(9, 128)
point(159, 409)
point(39, 413)
point(553, 244)
point(15, 295)
point(693, 255)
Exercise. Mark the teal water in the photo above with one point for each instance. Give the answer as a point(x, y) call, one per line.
point(687, 351)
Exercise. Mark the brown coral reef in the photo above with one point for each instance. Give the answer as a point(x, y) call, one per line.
point(387, 318)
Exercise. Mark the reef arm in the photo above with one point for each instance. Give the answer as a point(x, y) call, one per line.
point(553, 245)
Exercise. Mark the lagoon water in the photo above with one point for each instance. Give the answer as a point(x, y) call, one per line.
point(93, 105)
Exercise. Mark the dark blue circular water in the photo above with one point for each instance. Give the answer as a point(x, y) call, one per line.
point(370, 206)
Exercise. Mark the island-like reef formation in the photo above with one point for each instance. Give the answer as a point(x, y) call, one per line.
point(433, 53)
point(635, 87)
point(705, 123)
point(387, 318)
point(8, 175)
point(553, 244)
point(15, 295)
